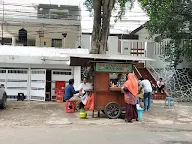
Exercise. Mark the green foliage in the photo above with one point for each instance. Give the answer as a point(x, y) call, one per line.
point(120, 7)
point(89, 5)
point(171, 19)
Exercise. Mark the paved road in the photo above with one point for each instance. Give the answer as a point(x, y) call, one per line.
point(81, 134)
point(46, 123)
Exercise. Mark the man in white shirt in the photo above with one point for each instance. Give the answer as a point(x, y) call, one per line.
point(82, 90)
point(160, 85)
point(147, 92)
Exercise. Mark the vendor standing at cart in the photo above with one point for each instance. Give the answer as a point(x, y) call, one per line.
point(117, 82)
point(130, 95)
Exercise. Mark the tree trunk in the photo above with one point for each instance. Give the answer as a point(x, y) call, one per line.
point(105, 31)
point(101, 25)
point(95, 41)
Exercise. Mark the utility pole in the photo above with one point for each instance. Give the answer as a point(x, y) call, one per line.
point(2, 39)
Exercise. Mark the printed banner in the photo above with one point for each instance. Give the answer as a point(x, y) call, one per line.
point(109, 67)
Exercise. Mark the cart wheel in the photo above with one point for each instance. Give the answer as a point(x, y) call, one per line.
point(112, 110)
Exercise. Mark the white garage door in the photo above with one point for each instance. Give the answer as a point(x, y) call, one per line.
point(3, 73)
point(38, 82)
point(60, 75)
point(16, 82)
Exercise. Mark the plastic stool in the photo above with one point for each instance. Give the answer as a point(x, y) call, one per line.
point(72, 103)
point(169, 101)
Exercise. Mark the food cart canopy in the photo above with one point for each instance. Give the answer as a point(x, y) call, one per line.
point(82, 59)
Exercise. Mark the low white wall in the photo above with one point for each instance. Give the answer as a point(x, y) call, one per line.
point(38, 66)
point(86, 41)
point(125, 47)
point(33, 60)
point(112, 43)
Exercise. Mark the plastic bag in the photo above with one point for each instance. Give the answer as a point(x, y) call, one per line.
point(84, 99)
point(90, 102)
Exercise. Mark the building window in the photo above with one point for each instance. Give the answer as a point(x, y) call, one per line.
point(38, 72)
point(57, 43)
point(2, 71)
point(61, 73)
point(18, 71)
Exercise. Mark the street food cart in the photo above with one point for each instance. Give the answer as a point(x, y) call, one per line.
point(107, 97)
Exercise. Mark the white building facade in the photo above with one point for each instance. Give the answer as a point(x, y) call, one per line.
point(26, 70)
point(136, 44)
point(45, 28)
point(155, 50)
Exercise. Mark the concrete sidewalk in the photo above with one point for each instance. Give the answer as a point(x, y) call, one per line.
point(51, 113)
point(181, 113)
point(34, 114)
point(47, 123)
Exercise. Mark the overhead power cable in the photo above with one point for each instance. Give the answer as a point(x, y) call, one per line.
point(36, 5)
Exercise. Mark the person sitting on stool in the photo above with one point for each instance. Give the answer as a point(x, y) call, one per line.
point(160, 85)
point(71, 94)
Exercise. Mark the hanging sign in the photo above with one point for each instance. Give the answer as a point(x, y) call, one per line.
point(110, 67)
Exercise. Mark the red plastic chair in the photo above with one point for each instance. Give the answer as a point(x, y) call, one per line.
point(72, 103)
point(59, 95)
